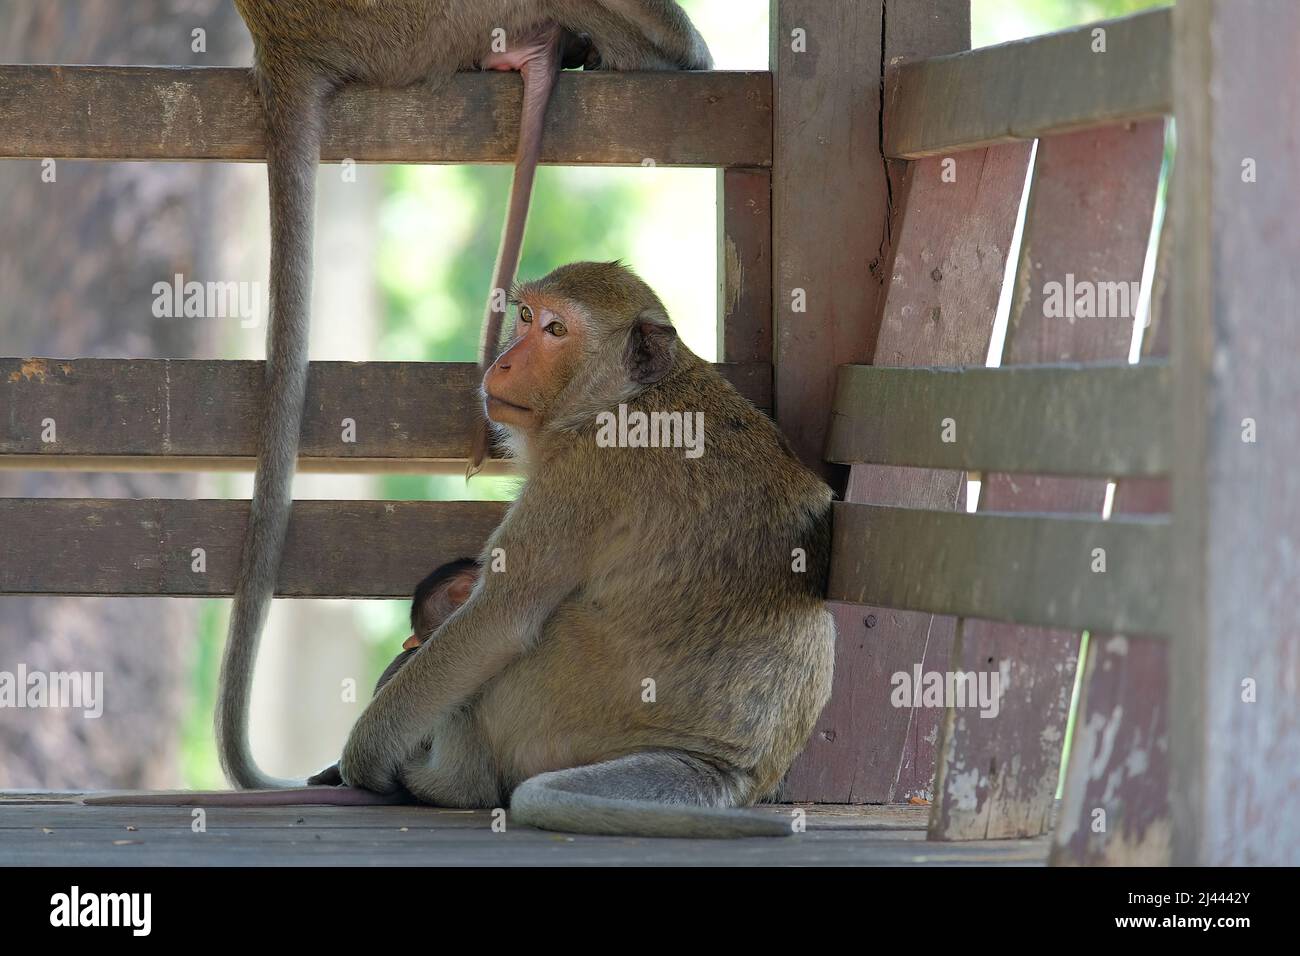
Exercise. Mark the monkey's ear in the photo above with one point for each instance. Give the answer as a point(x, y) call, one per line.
point(460, 586)
point(651, 348)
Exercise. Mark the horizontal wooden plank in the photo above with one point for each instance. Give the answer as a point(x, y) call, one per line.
point(195, 113)
point(335, 549)
point(62, 833)
point(1031, 88)
point(199, 415)
point(1103, 420)
point(1027, 569)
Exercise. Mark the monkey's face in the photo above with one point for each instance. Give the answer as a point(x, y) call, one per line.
point(523, 383)
point(588, 336)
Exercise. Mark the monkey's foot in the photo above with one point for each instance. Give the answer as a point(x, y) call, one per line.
point(541, 50)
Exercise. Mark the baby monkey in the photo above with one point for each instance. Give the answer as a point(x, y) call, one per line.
point(436, 598)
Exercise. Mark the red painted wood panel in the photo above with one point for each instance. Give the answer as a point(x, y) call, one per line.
point(1088, 223)
point(946, 276)
point(1115, 805)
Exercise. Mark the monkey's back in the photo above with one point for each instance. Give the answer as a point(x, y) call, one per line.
point(704, 592)
point(386, 42)
point(401, 42)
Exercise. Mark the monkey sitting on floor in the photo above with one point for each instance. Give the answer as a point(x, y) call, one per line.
point(650, 646)
point(655, 647)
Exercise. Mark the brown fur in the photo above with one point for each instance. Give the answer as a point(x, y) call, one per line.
point(621, 564)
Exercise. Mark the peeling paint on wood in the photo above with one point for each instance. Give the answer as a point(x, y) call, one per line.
point(1089, 216)
point(1115, 804)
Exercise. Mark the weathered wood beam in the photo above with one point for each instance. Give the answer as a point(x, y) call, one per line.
point(830, 207)
point(212, 113)
point(1027, 569)
point(1088, 217)
point(745, 265)
point(1031, 88)
point(199, 415)
point(863, 749)
point(1119, 753)
point(142, 547)
point(1234, 721)
point(1102, 420)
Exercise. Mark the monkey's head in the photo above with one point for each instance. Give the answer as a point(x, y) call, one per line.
point(438, 596)
point(586, 337)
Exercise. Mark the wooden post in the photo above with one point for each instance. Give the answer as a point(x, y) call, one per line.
point(1235, 689)
point(836, 208)
point(830, 205)
point(744, 265)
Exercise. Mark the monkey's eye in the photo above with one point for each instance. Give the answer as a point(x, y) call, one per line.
point(525, 315)
point(557, 329)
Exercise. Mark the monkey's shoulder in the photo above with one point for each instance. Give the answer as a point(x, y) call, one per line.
point(734, 427)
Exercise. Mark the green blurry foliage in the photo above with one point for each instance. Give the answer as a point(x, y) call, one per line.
point(998, 21)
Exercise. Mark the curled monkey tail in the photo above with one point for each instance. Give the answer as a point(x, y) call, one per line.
point(611, 798)
point(294, 108)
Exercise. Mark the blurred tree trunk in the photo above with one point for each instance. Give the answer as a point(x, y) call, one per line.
point(78, 259)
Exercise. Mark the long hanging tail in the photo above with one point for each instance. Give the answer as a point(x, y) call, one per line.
point(294, 117)
point(539, 78)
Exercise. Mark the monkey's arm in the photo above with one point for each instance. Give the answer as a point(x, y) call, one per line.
point(331, 776)
point(501, 621)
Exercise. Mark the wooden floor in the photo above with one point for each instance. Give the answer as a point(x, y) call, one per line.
point(58, 830)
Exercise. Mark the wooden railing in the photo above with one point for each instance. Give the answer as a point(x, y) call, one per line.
point(917, 581)
point(203, 415)
point(195, 113)
point(815, 228)
point(1037, 87)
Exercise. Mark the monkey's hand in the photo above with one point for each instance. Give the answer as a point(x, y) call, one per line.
point(370, 760)
point(329, 777)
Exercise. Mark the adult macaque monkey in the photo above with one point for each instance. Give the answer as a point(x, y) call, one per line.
point(306, 49)
point(656, 648)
